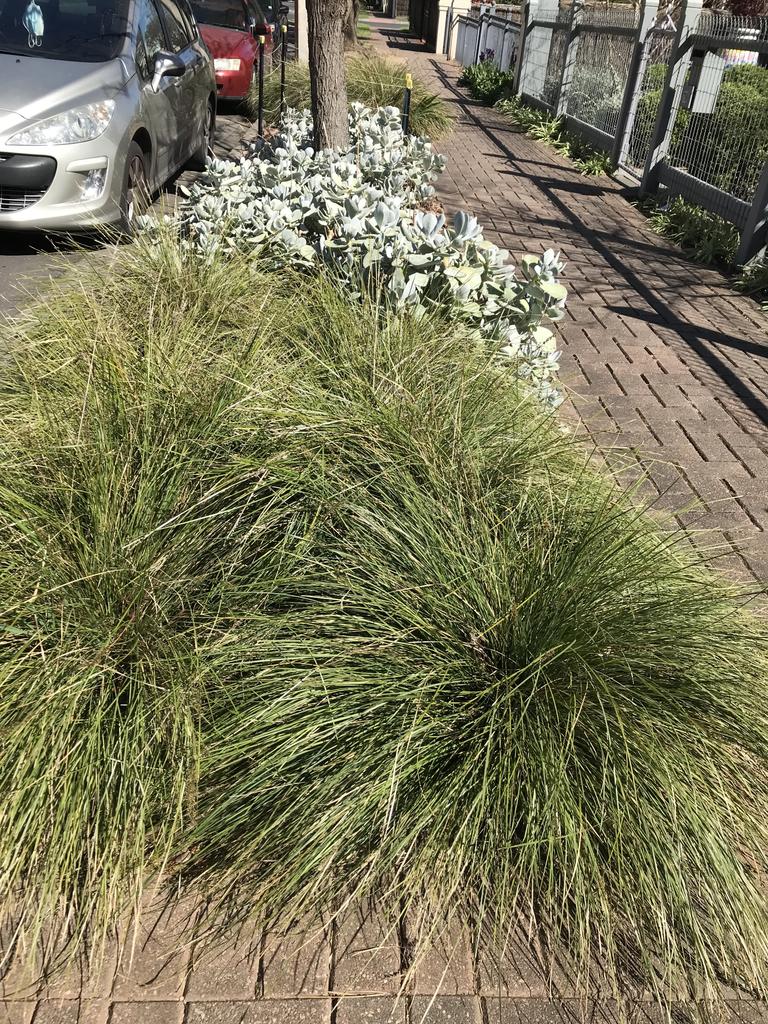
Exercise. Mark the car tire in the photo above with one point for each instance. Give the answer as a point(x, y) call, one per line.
point(134, 198)
point(197, 161)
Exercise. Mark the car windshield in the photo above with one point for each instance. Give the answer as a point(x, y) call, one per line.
point(79, 30)
point(222, 13)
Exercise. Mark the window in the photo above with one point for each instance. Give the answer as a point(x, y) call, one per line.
point(189, 18)
point(77, 30)
point(150, 37)
point(221, 13)
point(263, 12)
point(176, 25)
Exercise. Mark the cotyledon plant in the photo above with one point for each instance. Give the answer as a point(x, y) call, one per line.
point(361, 213)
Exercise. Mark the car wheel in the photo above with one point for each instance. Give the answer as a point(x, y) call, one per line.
point(134, 199)
point(198, 159)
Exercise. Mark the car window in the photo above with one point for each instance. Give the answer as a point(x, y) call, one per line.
point(176, 27)
point(262, 12)
point(222, 13)
point(150, 37)
point(78, 30)
point(189, 18)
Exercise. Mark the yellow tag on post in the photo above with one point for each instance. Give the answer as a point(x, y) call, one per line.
point(262, 39)
point(283, 29)
point(408, 81)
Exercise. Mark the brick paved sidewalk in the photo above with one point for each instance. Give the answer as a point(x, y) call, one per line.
point(658, 353)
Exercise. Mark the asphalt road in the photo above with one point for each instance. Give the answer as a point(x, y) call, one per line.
point(28, 259)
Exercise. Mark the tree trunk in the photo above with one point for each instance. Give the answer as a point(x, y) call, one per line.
point(325, 35)
point(350, 29)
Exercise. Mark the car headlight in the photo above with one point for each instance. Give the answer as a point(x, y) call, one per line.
point(79, 125)
point(227, 63)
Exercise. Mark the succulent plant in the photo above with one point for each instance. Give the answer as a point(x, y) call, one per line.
point(359, 212)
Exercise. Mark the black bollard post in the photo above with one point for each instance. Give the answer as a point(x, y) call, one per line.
point(284, 31)
point(261, 87)
point(407, 103)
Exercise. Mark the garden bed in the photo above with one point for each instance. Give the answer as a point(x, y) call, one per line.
point(308, 597)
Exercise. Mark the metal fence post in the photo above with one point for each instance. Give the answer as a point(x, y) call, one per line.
point(569, 62)
point(755, 234)
point(525, 21)
point(649, 13)
point(538, 43)
point(283, 59)
point(479, 35)
point(670, 99)
point(262, 40)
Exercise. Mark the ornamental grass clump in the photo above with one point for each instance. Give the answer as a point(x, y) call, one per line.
point(509, 693)
point(372, 80)
point(125, 516)
point(305, 601)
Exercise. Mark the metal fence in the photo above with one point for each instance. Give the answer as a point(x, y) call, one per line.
point(491, 32)
point(676, 94)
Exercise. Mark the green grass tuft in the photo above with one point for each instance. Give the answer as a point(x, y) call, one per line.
point(302, 603)
point(373, 80)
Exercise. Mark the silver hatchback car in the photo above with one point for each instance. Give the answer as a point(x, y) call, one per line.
point(101, 102)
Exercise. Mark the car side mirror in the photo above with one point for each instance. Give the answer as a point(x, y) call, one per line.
point(167, 65)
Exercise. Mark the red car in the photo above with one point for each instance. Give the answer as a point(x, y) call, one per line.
point(231, 30)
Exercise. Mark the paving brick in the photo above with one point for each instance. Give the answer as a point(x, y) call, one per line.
point(159, 1012)
point(366, 957)
point(79, 981)
point(745, 1011)
point(510, 972)
point(16, 1012)
point(370, 1010)
point(297, 963)
point(225, 970)
point(21, 981)
point(445, 966)
point(155, 959)
point(263, 1011)
point(567, 1011)
point(446, 1010)
point(219, 1012)
point(73, 1011)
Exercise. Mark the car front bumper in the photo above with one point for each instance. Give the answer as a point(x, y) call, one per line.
point(44, 188)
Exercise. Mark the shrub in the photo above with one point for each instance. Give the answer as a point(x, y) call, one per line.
point(753, 279)
point(646, 113)
point(373, 81)
point(356, 619)
point(112, 587)
point(486, 81)
point(552, 132)
point(700, 234)
point(355, 213)
point(729, 147)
